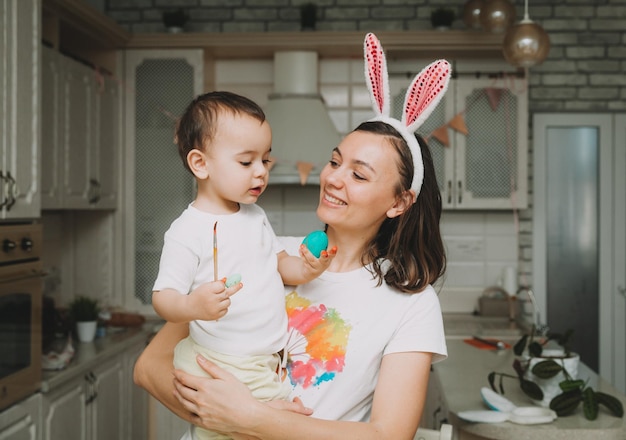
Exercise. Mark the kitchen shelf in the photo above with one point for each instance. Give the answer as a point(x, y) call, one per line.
point(455, 44)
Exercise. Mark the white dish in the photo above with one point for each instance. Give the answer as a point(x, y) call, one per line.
point(503, 410)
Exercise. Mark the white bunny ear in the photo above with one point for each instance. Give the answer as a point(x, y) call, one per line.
point(425, 92)
point(376, 74)
point(421, 98)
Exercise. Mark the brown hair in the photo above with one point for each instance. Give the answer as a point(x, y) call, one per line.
point(408, 252)
point(196, 127)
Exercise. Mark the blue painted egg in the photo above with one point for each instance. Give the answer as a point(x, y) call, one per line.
point(233, 279)
point(316, 241)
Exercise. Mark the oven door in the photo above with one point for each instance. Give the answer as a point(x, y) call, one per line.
point(20, 337)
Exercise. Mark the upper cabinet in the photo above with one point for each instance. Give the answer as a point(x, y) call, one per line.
point(80, 135)
point(478, 139)
point(20, 106)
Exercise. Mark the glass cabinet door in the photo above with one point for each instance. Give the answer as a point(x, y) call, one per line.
point(162, 84)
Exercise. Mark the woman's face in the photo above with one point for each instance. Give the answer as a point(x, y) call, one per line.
point(358, 185)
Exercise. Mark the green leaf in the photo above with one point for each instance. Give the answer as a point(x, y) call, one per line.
point(520, 345)
point(492, 378)
point(531, 389)
point(535, 349)
point(568, 385)
point(546, 369)
point(590, 404)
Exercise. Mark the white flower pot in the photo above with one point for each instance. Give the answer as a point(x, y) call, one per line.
point(550, 387)
point(86, 330)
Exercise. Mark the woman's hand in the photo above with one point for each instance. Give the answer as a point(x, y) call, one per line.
point(222, 403)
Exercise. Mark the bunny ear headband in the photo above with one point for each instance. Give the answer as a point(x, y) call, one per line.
point(425, 92)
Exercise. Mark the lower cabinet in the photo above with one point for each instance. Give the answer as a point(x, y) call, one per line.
point(22, 421)
point(88, 407)
point(101, 403)
point(435, 408)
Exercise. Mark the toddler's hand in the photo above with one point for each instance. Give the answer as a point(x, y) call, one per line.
point(313, 267)
point(212, 300)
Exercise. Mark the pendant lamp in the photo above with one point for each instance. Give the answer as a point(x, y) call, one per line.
point(496, 16)
point(525, 44)
point(471, 13)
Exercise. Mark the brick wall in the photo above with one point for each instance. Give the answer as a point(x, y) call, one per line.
point(584, 71)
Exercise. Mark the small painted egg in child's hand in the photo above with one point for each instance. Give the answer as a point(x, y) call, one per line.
point(232, 280)
point(316, 241)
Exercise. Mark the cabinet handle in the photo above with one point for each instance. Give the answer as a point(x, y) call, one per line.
point(94, 191)
point(449, 191)
point(4, 190)
point(93, 393)
point(10, 191)
point(460, 195)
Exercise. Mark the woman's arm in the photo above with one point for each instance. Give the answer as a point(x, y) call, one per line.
point(154, 368)
point(226, 405)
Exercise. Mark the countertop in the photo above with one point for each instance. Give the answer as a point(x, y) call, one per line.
point(89, 354)
point(462, 375)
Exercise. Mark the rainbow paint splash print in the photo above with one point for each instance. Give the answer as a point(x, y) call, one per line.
point(318, 338)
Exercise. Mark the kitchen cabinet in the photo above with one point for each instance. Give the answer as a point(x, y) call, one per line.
point(137, 398)
point(485, 168)
point(20, 105)
point(163, 82)
point(89, 406)
point(435, 409)
point(22, 421)
point(81, 132)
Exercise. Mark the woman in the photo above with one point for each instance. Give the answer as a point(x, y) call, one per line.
point(389, 253)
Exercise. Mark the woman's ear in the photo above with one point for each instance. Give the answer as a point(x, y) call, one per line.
point(402, 204)
point(196, 160)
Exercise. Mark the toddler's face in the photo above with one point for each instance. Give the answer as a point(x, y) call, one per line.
point(238, 159)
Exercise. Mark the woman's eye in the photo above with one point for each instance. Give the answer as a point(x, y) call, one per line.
point(357, 176)
point(333, 163)
point(246, 164)
point(267, 161)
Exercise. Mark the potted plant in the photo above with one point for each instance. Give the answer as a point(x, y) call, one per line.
point(174, 20)
point(549, 377)
point(84, 312)
point(442, 18)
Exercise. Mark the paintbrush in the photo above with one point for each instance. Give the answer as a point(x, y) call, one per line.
point(215, 252)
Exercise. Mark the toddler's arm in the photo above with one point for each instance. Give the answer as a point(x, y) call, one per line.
point(302, 269)
point(207, 302)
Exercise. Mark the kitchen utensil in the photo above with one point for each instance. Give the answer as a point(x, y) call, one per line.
point(497, 344)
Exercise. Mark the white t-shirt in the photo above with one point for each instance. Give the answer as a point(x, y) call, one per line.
point(340, 327)
point(256, 322)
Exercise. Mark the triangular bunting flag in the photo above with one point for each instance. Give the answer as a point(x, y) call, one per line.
point(493, 95)
point(458, 123)
point(304, 169)
point(441, 134)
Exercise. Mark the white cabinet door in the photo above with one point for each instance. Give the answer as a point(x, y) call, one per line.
point(136, 399)
point(21, 105)
point(104, 167)
point(22, 421)
point(107, 401)
point(65, 412)
point(51, 128)
point(81, 132)
point(487, 167)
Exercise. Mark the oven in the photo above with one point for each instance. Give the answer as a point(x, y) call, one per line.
point(21, 290)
